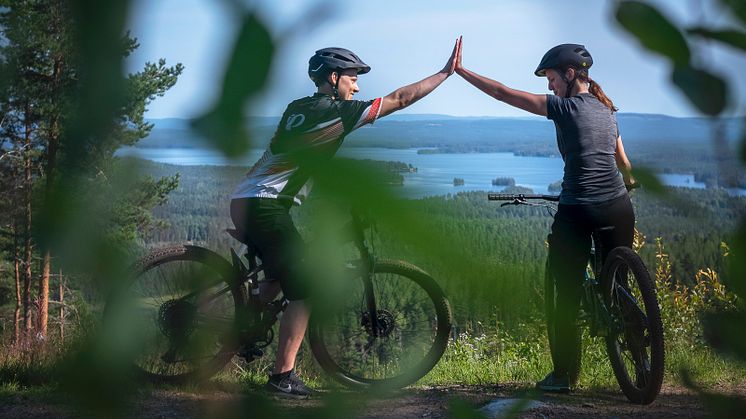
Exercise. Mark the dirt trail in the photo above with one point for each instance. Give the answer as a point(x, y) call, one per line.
point(431, 402)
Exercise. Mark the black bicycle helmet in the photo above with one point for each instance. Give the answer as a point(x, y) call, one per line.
point(327, 60)
point(564, 55)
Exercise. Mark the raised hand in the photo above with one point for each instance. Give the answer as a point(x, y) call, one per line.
point(451, 64)
point(459, 67)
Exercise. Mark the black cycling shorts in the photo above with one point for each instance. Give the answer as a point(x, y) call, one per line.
point(267, 225)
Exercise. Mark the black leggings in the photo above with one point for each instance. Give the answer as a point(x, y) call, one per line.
point(569, 251)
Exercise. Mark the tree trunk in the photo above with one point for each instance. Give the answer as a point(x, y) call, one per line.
point(44, 297)
point(52, 147)
point(17, 313)
point(28, 246)
point(62, 308)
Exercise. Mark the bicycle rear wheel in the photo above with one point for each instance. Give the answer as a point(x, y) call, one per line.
point(414, 322)
point(635, 345)
point(180, 308)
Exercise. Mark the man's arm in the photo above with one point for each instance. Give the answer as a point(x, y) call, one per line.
point(407, 95)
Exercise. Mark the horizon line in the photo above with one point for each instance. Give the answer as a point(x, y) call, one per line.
point(389, 117)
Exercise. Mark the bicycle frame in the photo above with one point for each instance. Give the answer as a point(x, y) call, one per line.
point(593, 310)
point(249, 275)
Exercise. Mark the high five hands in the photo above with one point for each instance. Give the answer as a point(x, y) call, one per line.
point(459, 67)
point(455, 60)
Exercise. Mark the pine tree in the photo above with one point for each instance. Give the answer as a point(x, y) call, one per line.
point(43, 80)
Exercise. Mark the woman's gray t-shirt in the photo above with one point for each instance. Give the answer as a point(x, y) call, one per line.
point(586, 136)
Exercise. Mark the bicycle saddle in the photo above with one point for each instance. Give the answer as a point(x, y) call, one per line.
point(243, 238)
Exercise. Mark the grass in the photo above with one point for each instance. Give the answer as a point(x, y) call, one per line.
point(473, 359)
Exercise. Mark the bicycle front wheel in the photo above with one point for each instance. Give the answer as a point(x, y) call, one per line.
point(635, 342)
point(413, 321)
point(180, 309)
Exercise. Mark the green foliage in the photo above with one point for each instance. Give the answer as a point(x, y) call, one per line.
point(723, 323)
point(732, 37)
point(683, 306)
point(654, 31)
point(737, 7)
point(484, 257)
point(245, 75)
point(707, 91)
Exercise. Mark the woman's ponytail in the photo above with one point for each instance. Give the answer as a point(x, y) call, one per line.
point(596, 91)
point(581, 74)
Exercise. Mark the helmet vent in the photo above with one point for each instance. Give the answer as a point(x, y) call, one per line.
point(337, 56)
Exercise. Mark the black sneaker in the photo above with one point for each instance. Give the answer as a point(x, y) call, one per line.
point(287, 384)
point(554, 384)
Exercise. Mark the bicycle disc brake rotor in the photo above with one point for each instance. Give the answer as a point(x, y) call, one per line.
point(385, 323)
point(176, 318)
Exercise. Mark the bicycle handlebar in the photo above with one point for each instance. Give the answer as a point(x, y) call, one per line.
point(520, 197)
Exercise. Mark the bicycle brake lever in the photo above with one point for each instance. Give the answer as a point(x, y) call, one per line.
point(515, 202)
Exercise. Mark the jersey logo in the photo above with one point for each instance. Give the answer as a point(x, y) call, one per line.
point(295, 120)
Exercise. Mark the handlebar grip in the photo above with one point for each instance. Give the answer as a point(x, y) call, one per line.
point(501, 197)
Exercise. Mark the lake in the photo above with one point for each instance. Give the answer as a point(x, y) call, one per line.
point(435, 172)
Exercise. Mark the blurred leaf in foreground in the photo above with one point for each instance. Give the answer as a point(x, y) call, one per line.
point(246, 74)
point(654, 31)
point(737, 7)
point(732, 37)
point(718, 405)
point(708, 92)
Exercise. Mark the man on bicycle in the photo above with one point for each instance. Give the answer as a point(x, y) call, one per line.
point(311, 130)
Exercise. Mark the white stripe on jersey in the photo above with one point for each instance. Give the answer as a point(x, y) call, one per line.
point(323, 125)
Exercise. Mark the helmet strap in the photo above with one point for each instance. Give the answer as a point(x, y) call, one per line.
point(569, 83)
point(335, 88)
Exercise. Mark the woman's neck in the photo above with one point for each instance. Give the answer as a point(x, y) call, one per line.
point(579, 88)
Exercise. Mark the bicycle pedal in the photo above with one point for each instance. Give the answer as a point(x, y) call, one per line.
point(250, 354)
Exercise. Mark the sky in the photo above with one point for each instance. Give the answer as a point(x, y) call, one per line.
point(407, 40)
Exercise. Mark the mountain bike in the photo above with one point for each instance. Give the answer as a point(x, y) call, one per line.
point(618, 303)
point(194, 311)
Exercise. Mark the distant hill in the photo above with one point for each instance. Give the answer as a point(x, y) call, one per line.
point(664, 143)
point(523, 135)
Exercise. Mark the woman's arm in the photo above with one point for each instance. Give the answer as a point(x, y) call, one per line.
point(407, 95)
point(527, 101)
point(622, 163)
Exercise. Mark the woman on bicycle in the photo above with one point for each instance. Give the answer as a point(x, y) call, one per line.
point(310, 131)
point(593, 193)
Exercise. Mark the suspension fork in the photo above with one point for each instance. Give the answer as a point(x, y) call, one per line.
point(367, 261)
point(370, 302)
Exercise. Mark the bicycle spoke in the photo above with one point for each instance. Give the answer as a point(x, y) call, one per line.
point(407, 322)
point(182, 326)
point(636, 352)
